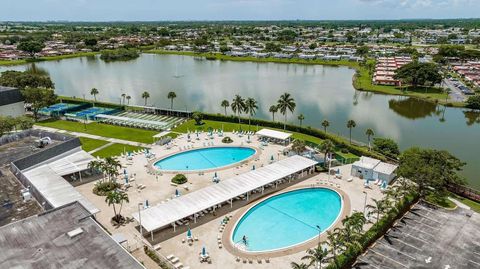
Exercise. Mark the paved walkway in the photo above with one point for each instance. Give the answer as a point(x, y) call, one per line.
point(111, 140)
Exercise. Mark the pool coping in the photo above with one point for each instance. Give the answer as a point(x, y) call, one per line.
point(313, 242)
point(256, 155)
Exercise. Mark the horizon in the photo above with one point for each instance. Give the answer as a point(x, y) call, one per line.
point(232, 10)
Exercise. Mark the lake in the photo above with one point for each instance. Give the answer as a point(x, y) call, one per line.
point(321, 92)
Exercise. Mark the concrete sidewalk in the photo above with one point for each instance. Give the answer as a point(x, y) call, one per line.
point(78, 134)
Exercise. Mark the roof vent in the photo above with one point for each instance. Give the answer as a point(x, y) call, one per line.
point(74, 233)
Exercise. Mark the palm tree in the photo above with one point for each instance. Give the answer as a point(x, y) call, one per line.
point(171, 95)
point(225, 104)
point(298, 266)
point(145, 95)
point(251, 108)
point(94, 92)
point(327, 147)
point(123, 98)
point(111, 166)
point(369, 133)
point(316, 256)
point(325, 124)
point(334, 243)
point(238, 106)
point(96, 165)
point(128, 99)
point(300, 118)
point(379, 207)
point(273, 109)
point(116, 198)
point(352, 229)
point(351, 124)
point(286, 103)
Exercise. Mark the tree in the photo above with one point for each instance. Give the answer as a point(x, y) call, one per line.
point(386, 146)
point(350, 125)
point(327, 147)
point(94, 92)
point(128, 99)
point(352, 229)
point(6, 124)
point(38, 98)
point(334, 242)
point(197, 117)
point(171, 95)
point(250, 108)
point(369, 133)
point(419, 74)
point(111, 166)
point(145, 96)
point(300, 118)
point(378, 208)
point(123, 95)
point(31, 47)
point(362, 51)
point(473, 102)
point(90, 42)
point(295, 265)
point(273, 109)
point(325, 124)
point(238, 106)
point(114, 198)
point(22, 80)
point(225, 104)
point(431, 170)
point(286, 103)
point(298, 146)
point(316, 256)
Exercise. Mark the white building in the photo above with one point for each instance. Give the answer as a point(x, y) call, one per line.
point(372, 170)
point(12, 102)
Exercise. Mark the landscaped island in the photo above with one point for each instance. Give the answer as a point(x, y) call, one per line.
point(119, 55)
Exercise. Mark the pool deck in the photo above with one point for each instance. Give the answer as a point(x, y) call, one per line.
point(157, 188)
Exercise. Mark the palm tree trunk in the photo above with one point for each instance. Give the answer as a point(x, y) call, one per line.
point(225, 111)
point(145, 101)
point(350, 135)
point(171, 104)
point(285, 123)
point(273, 116)
point(249, 117)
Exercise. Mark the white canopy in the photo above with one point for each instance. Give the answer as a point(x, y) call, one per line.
point(131, 120)
point(274, 134)
point(47, 178)
point(164, 214)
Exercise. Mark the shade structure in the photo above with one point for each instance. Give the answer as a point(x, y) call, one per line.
point(204, 251)
point(167, 213)
point(189, 233)
point(274, 134)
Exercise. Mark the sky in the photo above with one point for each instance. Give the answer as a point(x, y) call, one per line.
point(164, 10)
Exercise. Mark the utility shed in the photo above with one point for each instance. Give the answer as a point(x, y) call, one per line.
point(65, 237)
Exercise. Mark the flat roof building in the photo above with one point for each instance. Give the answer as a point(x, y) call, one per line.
point(65, 237)
point(12, 102)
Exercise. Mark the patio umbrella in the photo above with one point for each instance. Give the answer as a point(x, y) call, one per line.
point(204, 251)
point(253, 168)
point(146, 203)
point(126, 180)
point(384, 184)
point(188, 136)
point(271, 158)
point(177, 193)
point(189, 233)
point(215, 174)
point(124, 171)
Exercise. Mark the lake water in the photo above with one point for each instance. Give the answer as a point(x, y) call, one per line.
point(321, 92)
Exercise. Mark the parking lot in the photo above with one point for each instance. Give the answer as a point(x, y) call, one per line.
point(427, 237)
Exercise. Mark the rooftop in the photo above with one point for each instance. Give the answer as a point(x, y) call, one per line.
point(274, 134)
point(366, 162)
point(9, 95)
point(66, 237)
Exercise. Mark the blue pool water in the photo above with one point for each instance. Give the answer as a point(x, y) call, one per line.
point(288, 219)
point(204, 159)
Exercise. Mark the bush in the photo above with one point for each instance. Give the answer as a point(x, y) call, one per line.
point(150, 253)
point(179, 179)
point(227, 140)
point(120, 54)
point(102, 188)
point(473, 102)
point(197, 117)
point(386, 146)
point(344, 150)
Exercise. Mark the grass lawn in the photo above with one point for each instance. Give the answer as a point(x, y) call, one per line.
point(230, 126)
point(115, 150)
point(89, 144)
point(442, 201)
point(106, 130)
point(475, 206)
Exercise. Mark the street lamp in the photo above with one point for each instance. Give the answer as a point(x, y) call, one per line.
point(319, 232)
point(140, 218)
point(365, 203)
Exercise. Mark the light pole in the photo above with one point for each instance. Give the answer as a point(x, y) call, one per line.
point(319, 264)
point(365, 203)
point(140, 218)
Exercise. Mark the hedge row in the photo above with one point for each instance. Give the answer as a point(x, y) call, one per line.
point(338, 141)
point(349, 256)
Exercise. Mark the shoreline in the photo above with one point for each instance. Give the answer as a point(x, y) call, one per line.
point(361, 80)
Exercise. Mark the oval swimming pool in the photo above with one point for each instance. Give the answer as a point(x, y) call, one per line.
point(205, 158)
point(287, 219)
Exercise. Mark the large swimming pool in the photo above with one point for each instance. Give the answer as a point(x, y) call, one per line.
point(205, 158)
point(287, 219)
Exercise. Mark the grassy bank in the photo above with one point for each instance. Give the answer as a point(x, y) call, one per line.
point(47, 58)
point(105, 130)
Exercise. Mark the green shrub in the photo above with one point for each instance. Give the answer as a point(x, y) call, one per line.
point(227, 140)
point(155, 258)
point(102, 188)
point(179, 179)
point(344, 150)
